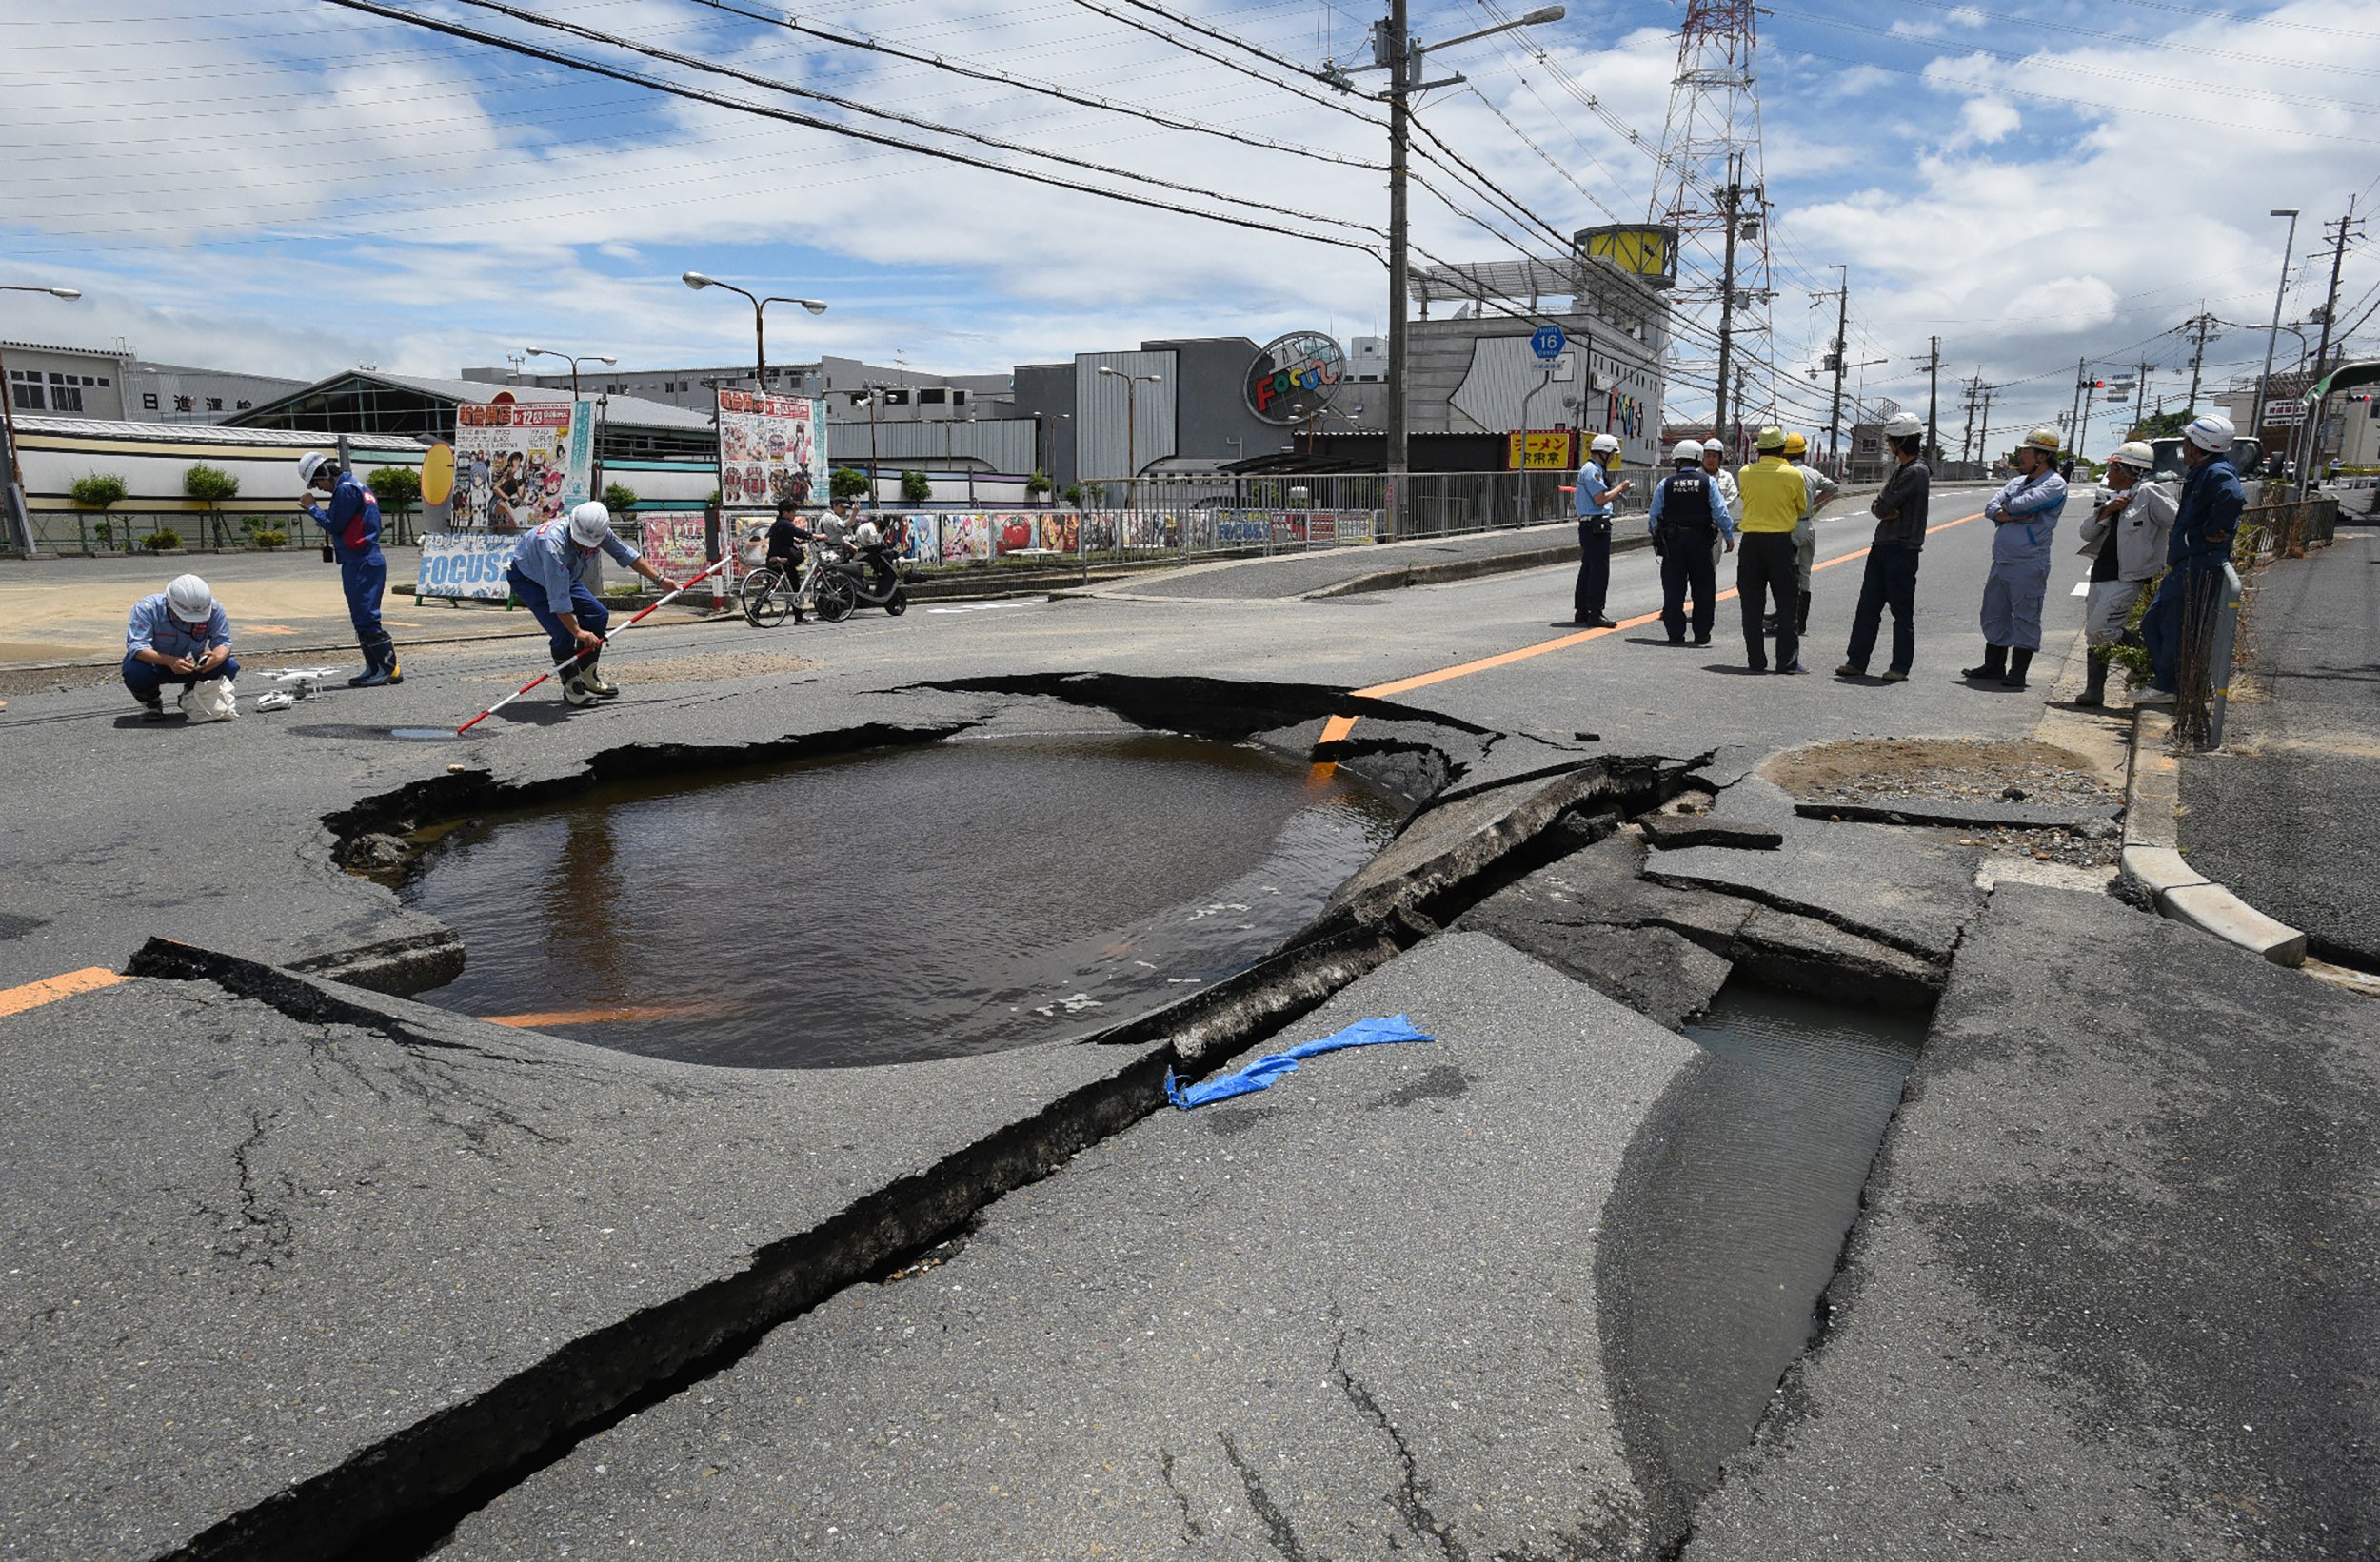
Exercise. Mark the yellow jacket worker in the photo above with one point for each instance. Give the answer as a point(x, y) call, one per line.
point(1774, 498)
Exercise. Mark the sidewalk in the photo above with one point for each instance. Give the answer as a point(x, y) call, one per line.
point(2280, 813)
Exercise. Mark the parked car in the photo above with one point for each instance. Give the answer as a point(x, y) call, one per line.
point(2246, 453)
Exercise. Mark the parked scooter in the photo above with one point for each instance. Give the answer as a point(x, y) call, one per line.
point(852, 578)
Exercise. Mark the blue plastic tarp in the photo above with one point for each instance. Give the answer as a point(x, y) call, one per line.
point(1256, 1075)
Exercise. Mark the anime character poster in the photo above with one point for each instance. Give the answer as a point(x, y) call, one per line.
point(771, 449)
point(965, 537)
point(915, 539)
point(1062, 531)
point(1100, 531)
point(519, 464)
point(675, 545)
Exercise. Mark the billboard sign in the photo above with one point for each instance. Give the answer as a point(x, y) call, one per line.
point(2284, 409)
point(771, 449)
point(519, 464)
point(1295, 376)
point(1648, 250)
point(1539, 450)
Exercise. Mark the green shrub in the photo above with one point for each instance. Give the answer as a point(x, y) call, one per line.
point(157, 541)
point(916, 487)
point(1037, 485)
point(846, 482)
point(209, 484)
point(270, 538)
point(398, 489)
point(98, 490)
point(619, 498)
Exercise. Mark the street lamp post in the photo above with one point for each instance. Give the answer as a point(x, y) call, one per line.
point(19, 518)
point(2264, 381)
point(1132, 428)
point(697, 280)
point(573, 362)
point(872, 393)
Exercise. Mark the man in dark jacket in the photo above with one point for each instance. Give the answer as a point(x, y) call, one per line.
point(1891, 579)
point(2194, 554)
point(786, 536)
point(1688, 520)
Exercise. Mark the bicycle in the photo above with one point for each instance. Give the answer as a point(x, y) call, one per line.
point(767, 598)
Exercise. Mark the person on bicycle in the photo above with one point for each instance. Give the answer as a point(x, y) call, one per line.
point(785, 537)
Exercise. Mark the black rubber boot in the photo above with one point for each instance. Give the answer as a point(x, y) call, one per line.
point(1995, 664)
point(1801, 624)
point(2096, 686)
point(2018, 659)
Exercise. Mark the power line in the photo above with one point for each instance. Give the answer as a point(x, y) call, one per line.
point(1180, 43)
point(1028, 84)
point(813, 122)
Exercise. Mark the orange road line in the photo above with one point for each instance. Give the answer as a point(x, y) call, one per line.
point(15, 1000)
point(1338, 727)
point(267, 629)
point(590, 1017)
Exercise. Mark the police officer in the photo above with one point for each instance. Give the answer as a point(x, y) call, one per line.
point(1775, 499)
point(1595, 495)
point(352, 525)
point(2024, 518)
point(1688, 517)
point(2195, 553)
point(548, 573)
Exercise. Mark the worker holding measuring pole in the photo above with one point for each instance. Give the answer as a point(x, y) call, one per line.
point(548, 573)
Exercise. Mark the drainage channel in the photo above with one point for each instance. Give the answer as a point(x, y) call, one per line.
point(895, 904)
point(1730, 1225)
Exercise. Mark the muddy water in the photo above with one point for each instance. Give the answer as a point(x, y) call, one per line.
point(900, 905)
point(1718, 1252)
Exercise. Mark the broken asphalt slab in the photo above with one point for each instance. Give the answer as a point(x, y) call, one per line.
point(1354, 1316)
point(1906, 888)
point(2116, 1289)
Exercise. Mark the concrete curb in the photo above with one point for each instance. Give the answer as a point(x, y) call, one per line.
point(2152, 860)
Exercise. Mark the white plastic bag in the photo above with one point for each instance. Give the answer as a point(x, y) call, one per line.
point(211, 700)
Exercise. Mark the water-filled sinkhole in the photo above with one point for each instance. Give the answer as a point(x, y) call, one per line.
point(897, 904)
point(1721, 1250)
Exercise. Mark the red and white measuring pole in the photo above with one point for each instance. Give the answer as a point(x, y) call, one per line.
point(564, 667)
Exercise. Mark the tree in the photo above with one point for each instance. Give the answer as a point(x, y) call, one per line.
point(398, 489)
point(2159, 426)
point(210, 486)
point(619, 498)
point(916, 487)
point(1037, 486)
point(846, 482)
point(97, 492)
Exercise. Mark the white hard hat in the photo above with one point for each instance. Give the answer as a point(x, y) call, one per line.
point(1604, 443)
point(310, 462)
point(1713, 447)
point(2043, 440)
point(1686, 450)
point(2136, 454)
point(189, 600)
point(2211, 431)
point(591, 523)
point(1902, 426)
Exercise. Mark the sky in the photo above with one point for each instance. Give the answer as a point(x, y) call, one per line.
point(291, 186)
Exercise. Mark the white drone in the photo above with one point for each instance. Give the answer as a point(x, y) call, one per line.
point(295, 683)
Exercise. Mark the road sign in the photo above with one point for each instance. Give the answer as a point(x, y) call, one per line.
point(1549, 342)
point(2287, 409)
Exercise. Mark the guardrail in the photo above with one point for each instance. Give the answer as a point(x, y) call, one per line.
point(98, 534)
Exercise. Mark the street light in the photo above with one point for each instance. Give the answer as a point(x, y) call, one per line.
point(574, 363)
point(1132, 427)
point(2272, 334)
point(697, 280)
point(18, 519)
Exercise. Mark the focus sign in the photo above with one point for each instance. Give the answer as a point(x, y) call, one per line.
point(1294, 377)
point(1548, 343)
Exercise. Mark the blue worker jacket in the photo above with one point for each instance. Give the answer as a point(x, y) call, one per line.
point(154, 627)
point(2024, 517)
point(2211, 499)
point(547, 555)
point(353, 520)
point(1593, 479)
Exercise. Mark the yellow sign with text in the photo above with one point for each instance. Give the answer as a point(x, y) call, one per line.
point(1539, 450)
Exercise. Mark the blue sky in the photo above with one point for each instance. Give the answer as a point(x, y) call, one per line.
point(289, 187)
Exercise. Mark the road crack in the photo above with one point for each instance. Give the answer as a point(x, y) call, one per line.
point(1411, 1500)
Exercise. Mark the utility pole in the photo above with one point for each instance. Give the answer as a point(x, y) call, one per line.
point(2342, 234)
point(1727, 295)
point(1397, 47)
point(2203, 324)
point(1983, 434)
point(1934, 397)
point(1842, 332)
point(2073, 422)
point(2264, 381)
point(1966, 440)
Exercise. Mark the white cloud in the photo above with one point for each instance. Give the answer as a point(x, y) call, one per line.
point(1988, 120)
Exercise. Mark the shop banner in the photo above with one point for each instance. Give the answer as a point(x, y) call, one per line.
point(674, 544)
point(771, 449)
point(1539, 450)
point(518, 464)
point(462, 563)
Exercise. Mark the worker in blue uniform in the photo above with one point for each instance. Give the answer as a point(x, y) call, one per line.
point(1688, 517)
point(179, 635)
point(2024, 518)
point(2195, 552)
point(352, 525)
point(1595, 494)
point(548, 573)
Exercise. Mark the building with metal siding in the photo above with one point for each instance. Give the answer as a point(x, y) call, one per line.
point(1102, 428)
point(112, 384)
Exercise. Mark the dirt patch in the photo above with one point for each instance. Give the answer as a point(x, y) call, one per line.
point(1943, 769)
point(705, 667)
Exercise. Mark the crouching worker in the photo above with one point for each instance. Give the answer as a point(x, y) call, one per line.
point(179, 635)
point(548, 573)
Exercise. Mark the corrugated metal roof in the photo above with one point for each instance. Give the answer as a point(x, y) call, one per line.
point(622, 411)
point(201, 433)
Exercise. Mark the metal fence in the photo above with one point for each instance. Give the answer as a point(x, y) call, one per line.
point(98, 533)
point(1436, 504)
point(2209, 627)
